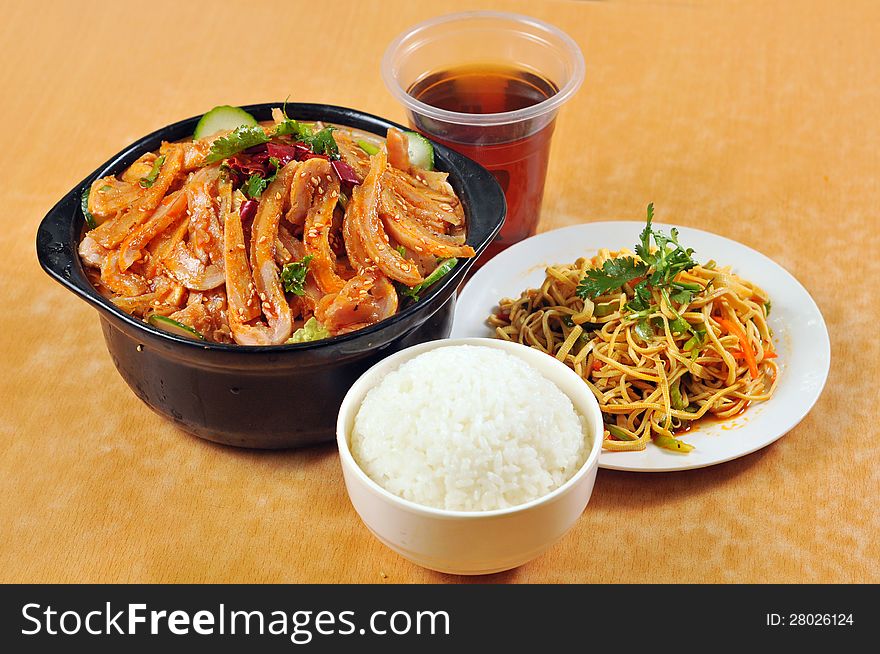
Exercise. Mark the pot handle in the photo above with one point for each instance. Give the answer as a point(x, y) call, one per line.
point(56, 237)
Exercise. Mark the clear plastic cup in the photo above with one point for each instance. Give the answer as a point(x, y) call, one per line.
point(514, 145)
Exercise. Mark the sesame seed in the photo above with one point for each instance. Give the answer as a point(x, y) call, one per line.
point(277, 196)
point(140, 348)
point(334, 194)
point(266, 305)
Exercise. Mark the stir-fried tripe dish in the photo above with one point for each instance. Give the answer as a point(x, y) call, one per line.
point(266, 234)
point(661, 340)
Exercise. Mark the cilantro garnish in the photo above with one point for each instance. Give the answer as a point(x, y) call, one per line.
point(323, 143)
point(288, 126)
point(320, 142)
point(256, 183)
point(247, 136)
point(254, 186)
point(655, 270)
point(657, 267)
point(613, 274)
point(665, 262)
point(241, 138)
point(293, 275)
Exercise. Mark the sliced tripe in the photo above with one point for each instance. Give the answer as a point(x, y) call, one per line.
point(397, 144)
point(121, 283)
point(244, 304)
point(189, 270)
point(205, 235)
point(112, 232)
point(173, 207)
point(363, 217)
point(264, 232)
point(318, 176)
point(363, 301)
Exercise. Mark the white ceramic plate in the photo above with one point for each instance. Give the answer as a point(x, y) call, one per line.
point(799, 332)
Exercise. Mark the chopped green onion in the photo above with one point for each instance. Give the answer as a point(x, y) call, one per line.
point(602, 310)
point(679, 326)
point(368, 147)
point(150, 179)
point(675, 398)
point(619, 433)
point(644, 330)
point(673, 444)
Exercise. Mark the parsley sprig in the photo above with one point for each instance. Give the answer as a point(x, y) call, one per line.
point(293, 275)
point(655, 269)
point(613, 274)
point(238, 140)
point(248, 136)
point(254, 185)
point(321, 142)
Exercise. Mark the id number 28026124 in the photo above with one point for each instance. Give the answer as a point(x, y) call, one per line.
point(809, 620)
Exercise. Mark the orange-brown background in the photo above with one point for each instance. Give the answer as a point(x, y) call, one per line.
point(755, 120)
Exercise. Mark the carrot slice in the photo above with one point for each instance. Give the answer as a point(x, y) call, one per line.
point(733, 328)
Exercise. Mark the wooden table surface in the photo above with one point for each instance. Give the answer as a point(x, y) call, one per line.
point(754, 120)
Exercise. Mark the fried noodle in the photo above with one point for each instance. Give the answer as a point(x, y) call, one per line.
point(655, 384)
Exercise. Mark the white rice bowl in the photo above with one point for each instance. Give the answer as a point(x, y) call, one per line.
point(468, 428)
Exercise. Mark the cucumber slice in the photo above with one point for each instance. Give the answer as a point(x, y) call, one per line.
point(421, 152)
point(173, 327)
point(84, 205)
point(224, 118)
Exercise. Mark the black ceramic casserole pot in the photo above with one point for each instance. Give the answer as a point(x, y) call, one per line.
point(263, 397)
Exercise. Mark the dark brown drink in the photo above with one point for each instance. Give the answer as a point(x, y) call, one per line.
point(516, 153)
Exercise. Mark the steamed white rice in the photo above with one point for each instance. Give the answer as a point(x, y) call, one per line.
point(468, 428)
